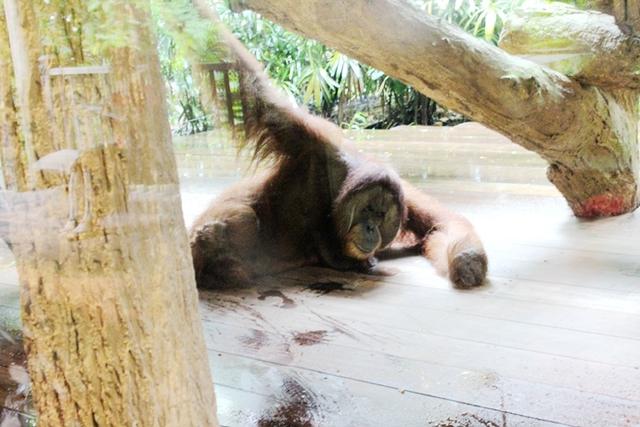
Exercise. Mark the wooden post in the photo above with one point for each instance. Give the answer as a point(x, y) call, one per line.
point(214, 87)
point(243, 98)
point(229, 99)
point(215, 102)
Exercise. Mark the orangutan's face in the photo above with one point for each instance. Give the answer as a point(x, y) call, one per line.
point(371, 219)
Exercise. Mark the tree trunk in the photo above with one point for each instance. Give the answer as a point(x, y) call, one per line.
point(587, 133)
point(626, 12)
point(109, 303)
point(11, 148)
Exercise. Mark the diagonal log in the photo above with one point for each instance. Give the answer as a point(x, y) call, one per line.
point(587, 134)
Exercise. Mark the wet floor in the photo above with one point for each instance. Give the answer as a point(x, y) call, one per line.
point(552, 339)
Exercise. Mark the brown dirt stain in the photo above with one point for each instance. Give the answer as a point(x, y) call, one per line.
point(466, 419)
point(256, 340)
point(309, 337)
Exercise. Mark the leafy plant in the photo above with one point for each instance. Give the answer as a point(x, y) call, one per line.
point(482, 18)
point(183, 39)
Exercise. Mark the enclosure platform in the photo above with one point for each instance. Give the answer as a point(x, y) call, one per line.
point(552, 339)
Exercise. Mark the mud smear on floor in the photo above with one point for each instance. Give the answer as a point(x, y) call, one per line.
point(298, 408)
point(324, 288)
point(273, 293)
point(218, 302)
point(336, 325)
point(278, 341)
point(309, 337)
point(256, 340)
point(466, 419)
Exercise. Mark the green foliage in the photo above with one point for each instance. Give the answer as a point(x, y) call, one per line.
point(482, 18)
point(315, 75)
point(358, 121)
point(78, 32)
point(183, 39)
point(192, 36)
point(299, 66)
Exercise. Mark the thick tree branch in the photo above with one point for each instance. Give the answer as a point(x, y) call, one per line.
point(587, 133)
point(532, 104)
point(586, 45)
